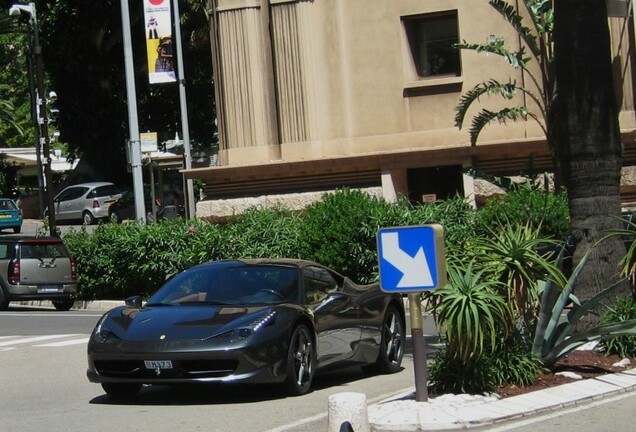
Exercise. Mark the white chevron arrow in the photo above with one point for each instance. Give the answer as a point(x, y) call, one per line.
point(415, 270)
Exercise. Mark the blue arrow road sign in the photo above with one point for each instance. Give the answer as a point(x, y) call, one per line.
point(411, 258)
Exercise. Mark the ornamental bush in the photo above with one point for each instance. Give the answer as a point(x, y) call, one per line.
point(527, 205)
point(339, 231)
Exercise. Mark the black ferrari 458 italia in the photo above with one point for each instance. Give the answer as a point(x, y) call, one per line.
point(257, 321)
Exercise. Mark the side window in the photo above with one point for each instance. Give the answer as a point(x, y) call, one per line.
point(318, 284)
point(431, 38)
point(4, 251)
point(106, 191)
point(71, 194)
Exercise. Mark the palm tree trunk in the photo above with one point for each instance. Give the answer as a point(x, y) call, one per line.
point(588, 137)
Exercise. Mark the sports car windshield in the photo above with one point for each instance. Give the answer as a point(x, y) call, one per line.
point(230, 284)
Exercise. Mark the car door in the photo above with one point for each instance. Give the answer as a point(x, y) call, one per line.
point(70, 203)
point(336, 317)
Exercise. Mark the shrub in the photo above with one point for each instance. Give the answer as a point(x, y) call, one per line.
point(513, 364)
point(508, 363)
point(527, 205)
point(262, 233)
point(624, 346)
point(340, 232)
point(117, 261)
point(449, 374)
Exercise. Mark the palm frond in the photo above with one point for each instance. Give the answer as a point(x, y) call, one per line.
point(484, 117)
point(506, 90)
point(510, 14)
point(515, 59)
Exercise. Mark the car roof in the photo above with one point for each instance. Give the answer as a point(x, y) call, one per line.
point(91, 184)
point(30, 239)
point(301, 263)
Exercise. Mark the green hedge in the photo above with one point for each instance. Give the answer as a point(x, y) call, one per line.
point(116, 261)
point(544, 210)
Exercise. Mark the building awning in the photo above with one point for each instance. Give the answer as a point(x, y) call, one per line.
point(25, 160)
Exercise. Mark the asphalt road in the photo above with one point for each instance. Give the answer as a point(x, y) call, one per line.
point(44, 388)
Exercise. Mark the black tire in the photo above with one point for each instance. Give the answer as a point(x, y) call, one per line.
point(4, 302)
point(63, 305)
point(392, 343)
point(121, 390)
point(87, 218)
point(301, 362)
point(114, 217)
point(16, 230)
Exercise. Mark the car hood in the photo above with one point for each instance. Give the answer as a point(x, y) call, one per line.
point(181, 322)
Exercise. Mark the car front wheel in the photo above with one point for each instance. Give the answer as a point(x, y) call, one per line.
point(301, 362)
point(121, 390)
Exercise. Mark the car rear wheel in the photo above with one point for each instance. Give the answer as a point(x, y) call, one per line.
point(17, 229)
point(392, 343)
point(63, 305)
point(4, 303)
point(301, 362)
point(88, 218)
point(121, 390)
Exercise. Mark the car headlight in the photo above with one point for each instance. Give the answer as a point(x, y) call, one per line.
point(256, 325)
point(102, 332)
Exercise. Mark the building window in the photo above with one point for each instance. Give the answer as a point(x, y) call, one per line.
point(431, 38)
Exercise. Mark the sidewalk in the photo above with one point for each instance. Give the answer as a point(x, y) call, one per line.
point(448, 412)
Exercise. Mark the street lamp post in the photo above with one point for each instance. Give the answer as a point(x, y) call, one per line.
point(16, 11)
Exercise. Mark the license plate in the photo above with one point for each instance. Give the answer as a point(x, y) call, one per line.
point(49, 288)
point(158, 364)
point(5, 216)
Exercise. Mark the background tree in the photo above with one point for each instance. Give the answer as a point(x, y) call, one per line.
point(582, 134)
point(87, 72)
point(15, 105)
point(586, 129)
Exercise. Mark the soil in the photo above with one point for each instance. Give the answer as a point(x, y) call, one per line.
point(586, 363)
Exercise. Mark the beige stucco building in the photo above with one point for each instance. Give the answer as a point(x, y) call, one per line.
point(318, 94)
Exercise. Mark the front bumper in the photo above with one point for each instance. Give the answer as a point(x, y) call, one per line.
point(192, 361)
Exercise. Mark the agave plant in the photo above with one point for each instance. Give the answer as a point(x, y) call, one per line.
point(537, 40)
point(512, 255)
point(556, 331)
point(471, 311)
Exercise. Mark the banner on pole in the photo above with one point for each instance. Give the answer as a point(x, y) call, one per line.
point(158, 19)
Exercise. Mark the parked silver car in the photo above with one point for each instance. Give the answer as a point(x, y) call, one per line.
point(37, 268)
point(87, 202)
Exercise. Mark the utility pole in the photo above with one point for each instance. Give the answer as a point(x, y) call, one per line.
point(40, 101)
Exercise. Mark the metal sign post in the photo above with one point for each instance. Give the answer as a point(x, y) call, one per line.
point(412, 260)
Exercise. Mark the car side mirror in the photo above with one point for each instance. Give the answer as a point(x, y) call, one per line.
point(133, 302)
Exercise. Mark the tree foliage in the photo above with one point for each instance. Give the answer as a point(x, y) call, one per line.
point(82, 48)
point(15, 102)
point(536, 50)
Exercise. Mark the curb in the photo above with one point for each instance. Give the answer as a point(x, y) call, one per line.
point(96, 305)
point(450, 412)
